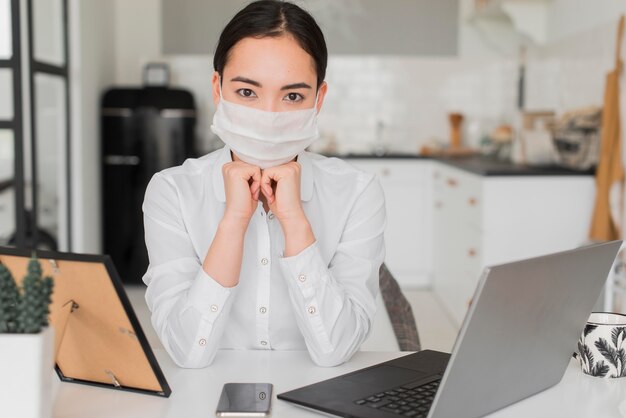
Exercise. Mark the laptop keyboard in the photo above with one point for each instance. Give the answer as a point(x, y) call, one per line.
point(410, 400)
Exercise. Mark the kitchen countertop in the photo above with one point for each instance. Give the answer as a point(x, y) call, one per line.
point(479, 164)
point(393, 156)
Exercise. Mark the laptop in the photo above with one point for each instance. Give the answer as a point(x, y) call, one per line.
point(517, 339)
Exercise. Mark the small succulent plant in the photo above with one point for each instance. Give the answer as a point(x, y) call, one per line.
point(25, 310)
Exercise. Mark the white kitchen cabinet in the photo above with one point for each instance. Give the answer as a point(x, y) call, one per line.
point(407, 185)
point(486, 220)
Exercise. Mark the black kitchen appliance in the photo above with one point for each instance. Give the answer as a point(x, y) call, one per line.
point(144, 130)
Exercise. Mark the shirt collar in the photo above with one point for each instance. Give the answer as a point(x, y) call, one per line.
point(306, 175)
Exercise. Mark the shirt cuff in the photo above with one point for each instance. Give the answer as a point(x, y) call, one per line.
point(207, 295)
point(303, 269)
point(306, 273)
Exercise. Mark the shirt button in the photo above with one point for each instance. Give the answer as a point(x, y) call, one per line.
point(202, 342)
point(263, 309)
point(271, 216)
point(263, 342)
point(264, 261)
point(302, 278)
point(213, 308)
point(311, 310)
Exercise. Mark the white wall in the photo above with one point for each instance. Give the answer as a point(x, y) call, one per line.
point(571, 17)
point(92, 49)
point(137, 37)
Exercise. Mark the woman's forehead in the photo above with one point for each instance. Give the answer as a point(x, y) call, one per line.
point(272, 61)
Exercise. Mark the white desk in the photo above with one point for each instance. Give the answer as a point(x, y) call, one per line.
point(195, 391)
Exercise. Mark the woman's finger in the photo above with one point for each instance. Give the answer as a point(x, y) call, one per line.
point(268, 193)
point(255, 188)
point(255, 182)
point(266, 184)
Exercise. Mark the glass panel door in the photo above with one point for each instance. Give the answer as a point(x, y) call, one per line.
point(49, 147)
point(7, 188)
point(6, 37)
point(48, 31)
point(12, 217)
point(6, 97)
point(50, 112)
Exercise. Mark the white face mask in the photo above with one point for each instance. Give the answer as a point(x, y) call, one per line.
point(262, 138)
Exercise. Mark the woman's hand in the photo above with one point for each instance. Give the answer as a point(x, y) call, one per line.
point(281, 187)
point(242, 183)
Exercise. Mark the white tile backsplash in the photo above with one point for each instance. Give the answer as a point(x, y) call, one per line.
point(410, 96)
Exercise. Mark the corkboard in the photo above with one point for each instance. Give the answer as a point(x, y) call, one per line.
point(98, 339)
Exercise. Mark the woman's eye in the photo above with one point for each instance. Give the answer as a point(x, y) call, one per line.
point(294, 97)
point(246, 93)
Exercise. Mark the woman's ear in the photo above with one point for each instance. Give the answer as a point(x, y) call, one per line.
point(320, 95)
point(216, 87)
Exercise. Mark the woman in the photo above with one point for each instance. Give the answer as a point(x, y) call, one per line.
point(261, 245)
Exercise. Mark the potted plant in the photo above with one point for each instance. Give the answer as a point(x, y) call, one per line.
point(26, 344)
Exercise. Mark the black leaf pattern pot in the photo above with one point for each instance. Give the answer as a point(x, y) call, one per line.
point(602, 345)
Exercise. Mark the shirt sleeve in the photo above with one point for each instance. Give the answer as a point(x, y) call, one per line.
point(188, 307)
point(335, 304)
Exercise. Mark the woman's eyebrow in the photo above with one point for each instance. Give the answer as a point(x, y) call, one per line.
point(300, 85)
point(246, 80)
point(296, 86)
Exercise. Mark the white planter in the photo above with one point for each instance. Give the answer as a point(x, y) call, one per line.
point(26, 362)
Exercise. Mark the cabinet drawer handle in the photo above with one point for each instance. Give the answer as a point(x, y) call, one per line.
point(472, 201)
point(471, 252)
point(121, 160)
point(452, 182)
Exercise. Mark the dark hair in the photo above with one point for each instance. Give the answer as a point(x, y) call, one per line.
point(274, 18)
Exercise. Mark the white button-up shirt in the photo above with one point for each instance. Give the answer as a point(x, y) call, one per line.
point(322, 299)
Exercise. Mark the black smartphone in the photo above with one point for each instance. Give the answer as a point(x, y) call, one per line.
point(245, 400)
